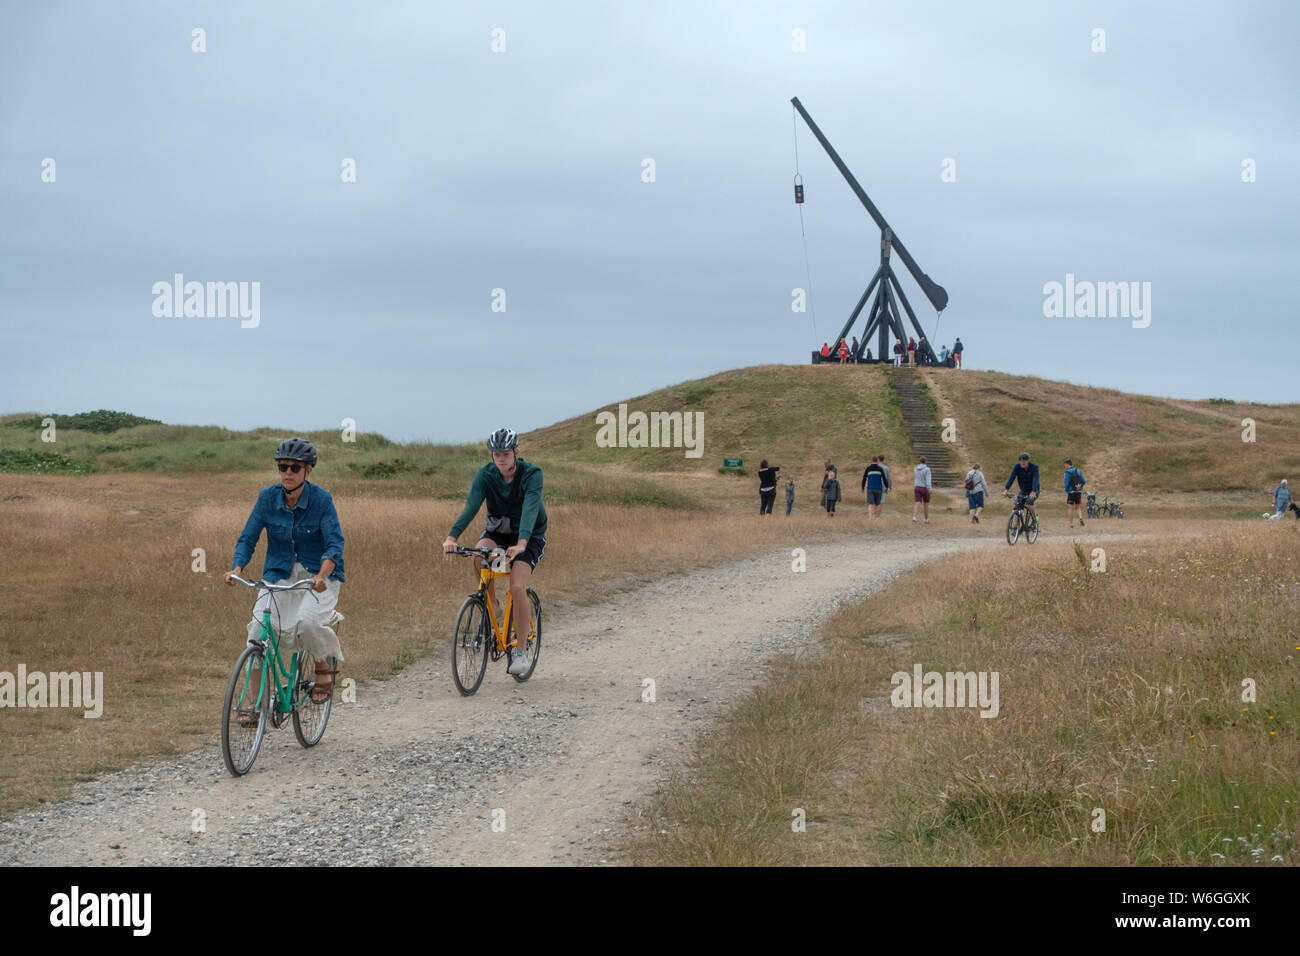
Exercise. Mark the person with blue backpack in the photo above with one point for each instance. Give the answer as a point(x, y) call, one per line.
point(1074, 482)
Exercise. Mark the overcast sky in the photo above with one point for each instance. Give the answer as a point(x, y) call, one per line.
point(522, 170)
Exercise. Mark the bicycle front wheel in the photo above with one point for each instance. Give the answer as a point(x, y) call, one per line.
point(247, 711)
point(469, 645)
point(1013, 528)
point(311, 716)
point(1031, 528)
point(533, 647)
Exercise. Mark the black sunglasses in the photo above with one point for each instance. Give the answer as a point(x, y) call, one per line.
point(295, 468)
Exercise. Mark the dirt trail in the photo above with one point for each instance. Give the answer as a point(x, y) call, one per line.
point(414, 773)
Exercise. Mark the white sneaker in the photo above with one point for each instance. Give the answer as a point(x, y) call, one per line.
point(518, 665)
point(913, 519)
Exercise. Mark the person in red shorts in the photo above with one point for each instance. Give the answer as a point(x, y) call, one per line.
point(921, 487)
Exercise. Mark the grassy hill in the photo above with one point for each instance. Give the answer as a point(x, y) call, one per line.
point(792, 415)
point(1120, 440)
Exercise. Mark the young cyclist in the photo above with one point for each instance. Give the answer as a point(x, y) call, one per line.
point(303, 538)
point(516, 521)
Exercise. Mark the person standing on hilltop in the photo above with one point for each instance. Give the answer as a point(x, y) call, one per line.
point(767, 479)
point(1074, 482)
point(832, 491)
point(303, 538)
point(826, 351)
point(898, 354)
point(911, 350)
point(789, 495)
point(921, 487)
point(843, 352)
point(853, 351)
point(956, 351)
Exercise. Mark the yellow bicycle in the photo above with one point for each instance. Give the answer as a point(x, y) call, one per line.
point(479, 635)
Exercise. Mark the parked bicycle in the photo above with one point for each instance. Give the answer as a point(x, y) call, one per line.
point(262, 690)
point(1021, 521)
point(1094, 509)
point(479, 635)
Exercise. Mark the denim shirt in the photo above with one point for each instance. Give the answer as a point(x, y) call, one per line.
point(308, 533)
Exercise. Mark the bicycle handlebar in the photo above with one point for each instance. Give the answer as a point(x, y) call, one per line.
point(273, 587)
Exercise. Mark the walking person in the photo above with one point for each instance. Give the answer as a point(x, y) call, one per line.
point(1281, 499)
point(873, 483)
point(827, 468)
point(921, 487)
point(789, 495)
point(1074, 482)
point(956, 351)
point(976, 489)
point(889, 481)
point(767, 479)
point(832, 491)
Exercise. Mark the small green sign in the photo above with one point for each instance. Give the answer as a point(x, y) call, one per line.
point(733, 463)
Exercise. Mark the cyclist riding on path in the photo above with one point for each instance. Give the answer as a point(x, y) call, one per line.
point(303, 538)
point(1026, 475)
point(516, 521)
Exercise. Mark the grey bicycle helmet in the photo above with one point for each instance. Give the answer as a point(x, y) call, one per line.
point(296, 449)
point(503, 439)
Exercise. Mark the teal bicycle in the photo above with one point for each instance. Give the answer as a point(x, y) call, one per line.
point(262, 691)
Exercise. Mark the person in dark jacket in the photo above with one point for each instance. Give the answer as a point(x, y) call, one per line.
point(767, 479)
point(956, 351)
point(789, 495)
point(1074, 482)
point(1025, 475)
point(873, 483)
point(832, 491)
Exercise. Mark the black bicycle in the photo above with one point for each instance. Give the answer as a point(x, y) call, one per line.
point(1094, 509)
point(1021, 521)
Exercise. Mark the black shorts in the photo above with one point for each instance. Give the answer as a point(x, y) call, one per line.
point(532, 552)
point(1073, 497)
point(874, 495)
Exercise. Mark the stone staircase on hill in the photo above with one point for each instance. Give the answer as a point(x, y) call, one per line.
point(923, 430)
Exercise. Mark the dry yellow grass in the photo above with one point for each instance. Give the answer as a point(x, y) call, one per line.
point(91, 587)
point(1119, 691)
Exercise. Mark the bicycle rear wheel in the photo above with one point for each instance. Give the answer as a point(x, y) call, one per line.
point(533, 646)
point(469, 645)
point(1013, 528)
point(247, 711)
point(309, 716)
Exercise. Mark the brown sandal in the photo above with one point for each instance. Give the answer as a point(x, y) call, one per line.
point(320, 687)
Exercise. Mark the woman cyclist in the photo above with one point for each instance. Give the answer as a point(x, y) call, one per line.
point(516, 521)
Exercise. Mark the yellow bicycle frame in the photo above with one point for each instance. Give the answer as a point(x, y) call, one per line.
point(485, 577)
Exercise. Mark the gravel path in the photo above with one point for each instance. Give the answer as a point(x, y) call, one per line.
point(414, 773)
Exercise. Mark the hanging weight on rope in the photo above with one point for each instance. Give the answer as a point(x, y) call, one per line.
point(798, 189)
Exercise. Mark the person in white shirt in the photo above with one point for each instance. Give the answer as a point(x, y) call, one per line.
point(921, 486)
point(976, 489)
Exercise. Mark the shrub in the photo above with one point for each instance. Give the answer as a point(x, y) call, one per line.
point(43, 462)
